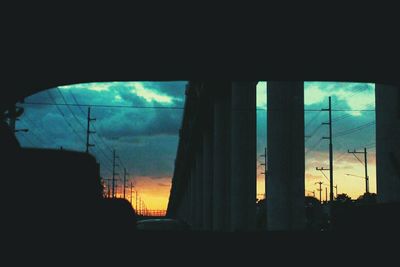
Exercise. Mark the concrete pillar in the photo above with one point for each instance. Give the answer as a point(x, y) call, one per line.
point(243, 156)
point(221, 159)
point(207, 178)
point(193, 195)
point(387, 100)
point(199, 187)
point(285, 143)
point(187, 204)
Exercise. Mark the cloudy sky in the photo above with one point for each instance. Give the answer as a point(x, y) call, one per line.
point(145, 134)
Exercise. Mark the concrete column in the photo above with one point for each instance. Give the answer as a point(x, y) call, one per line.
point(189, 198)
point(221, 159)
point(193, 195)
point(243, 156)
point(207, 178)
point(187, 204)
point(285, 143)
point(199, 187)
point(387, 99)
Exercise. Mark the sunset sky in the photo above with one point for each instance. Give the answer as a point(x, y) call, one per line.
point(145, 135)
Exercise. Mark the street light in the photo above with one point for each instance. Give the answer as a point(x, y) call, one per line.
point(348, 174)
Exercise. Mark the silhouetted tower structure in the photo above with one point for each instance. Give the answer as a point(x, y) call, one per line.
point(354, 152)
point(88, 131)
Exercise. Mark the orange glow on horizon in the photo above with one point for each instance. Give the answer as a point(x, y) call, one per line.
point(154, 192)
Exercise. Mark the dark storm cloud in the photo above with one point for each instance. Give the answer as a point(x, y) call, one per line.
point(145, 139)
point(155, 159)
point(138, 124)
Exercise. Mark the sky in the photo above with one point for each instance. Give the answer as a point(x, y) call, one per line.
point(145, 135)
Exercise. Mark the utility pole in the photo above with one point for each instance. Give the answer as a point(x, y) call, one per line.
point(330, 149)
point(125, 173)
point(326, 194)
point(88, 132)
point(265, 170)
point(136, 201)
point(335, 189)
point(320, 191)
point(108, 186)
point(113, 174)
point(131, 193)
point(354, 152)
point(140, 206)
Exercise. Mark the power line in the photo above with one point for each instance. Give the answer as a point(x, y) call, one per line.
point(28, 140)
point(341, 117)
point(104, 106)
point(341, 155)
point(316, 144)
point(372, 145)
point(329, 123)
point(174, 107)
point(101, 139)
point(70, 110)
point(88, 129)
point(364, 152)
point(313, 132)
point(312, 119)
point(76, 102)
point(33, 123)
point(38, 138)
point(63, 115)
point(355, 129)
point(322, 169)
point(95, 148)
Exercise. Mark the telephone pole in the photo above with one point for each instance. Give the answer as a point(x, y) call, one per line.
point(125, 173)
point(88, 132)
point(354, 152)
point(330, 149)
point(326, 194)
point(113, 174)
point(131, 193)
point(320, 191)
point(265, 170)
point(335, 189)
point(136, 201)
point(108, 186)
point(140, 206)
